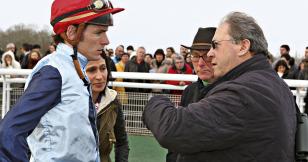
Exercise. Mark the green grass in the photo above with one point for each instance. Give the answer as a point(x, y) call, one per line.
point(145, 149)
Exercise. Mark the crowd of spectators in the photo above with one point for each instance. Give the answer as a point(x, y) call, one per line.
point(167, 61)
point(26, 57)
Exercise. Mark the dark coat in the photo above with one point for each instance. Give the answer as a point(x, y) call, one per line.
point(133, 66)
point(248, 116)
point(192, 93)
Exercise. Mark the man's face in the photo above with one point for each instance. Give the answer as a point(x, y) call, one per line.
point(93, 41)
point(179, 64)
point(283, 51)
point(119, 51)
point(168, 52)
point(225, 56)
point(140, 54)
point(183, 50)
point(203, 68)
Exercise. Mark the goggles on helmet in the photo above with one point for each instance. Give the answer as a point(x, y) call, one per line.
point(97, 6)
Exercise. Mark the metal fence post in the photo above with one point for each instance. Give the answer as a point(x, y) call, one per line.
point(3, 97)
point(8, 96)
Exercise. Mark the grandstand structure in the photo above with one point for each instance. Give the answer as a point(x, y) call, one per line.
point(12, 81)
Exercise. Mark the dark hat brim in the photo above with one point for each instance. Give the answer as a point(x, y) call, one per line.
point(198, 47)
point(185, 46)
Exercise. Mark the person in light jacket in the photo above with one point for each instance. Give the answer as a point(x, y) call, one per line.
point(55, 118)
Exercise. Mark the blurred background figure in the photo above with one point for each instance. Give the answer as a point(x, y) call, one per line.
point(33, 58)
point(110, 52)
point(159, 57)
point(9, 61)
point(130, 49)
point(183, 51)
point(179, 67)
point(148, 59)
point(51, 48)
point(188, 60)
point(117, 54)
point(284, 50)
point(36, 47)
point(137, 64)
point(169, 52)
point(303, 70)
point(12, 47)
point(166, 65)
point(120, 66)
point(25, 50)
point(306, 52)
point(282, 69)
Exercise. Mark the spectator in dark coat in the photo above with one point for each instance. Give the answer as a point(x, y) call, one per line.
point(293, 72)
point(248, 115)
point(203, 68)
point(282, 69)
point(137, 64)
point(25, 50)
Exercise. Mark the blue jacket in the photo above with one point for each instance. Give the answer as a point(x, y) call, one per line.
point(54, 118)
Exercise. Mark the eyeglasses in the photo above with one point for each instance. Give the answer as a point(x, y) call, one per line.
point(216, 43)
point(195, 58)
point(179, 62)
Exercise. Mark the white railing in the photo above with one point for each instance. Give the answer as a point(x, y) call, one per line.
point(6, 80)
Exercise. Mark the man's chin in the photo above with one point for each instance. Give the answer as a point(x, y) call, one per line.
point(95, 58)
point(205, 78)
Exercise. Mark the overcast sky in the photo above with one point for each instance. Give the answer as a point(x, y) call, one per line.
point(163, 23)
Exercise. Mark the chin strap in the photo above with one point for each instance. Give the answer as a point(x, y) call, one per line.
point(78, 68)
point(74, 43)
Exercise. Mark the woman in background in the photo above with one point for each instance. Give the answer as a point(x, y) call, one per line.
point(110, 119)
point(9, 61)
point(282, 69)
point(33, 58)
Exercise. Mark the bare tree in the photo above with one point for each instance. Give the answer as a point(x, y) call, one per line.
point(21, 33)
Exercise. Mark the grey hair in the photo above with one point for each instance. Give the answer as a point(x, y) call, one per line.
point(179, 57)
point(243, 26)
point(141, 47)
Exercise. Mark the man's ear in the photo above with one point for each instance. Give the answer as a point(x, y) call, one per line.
point(245, 46)
point(71, 32)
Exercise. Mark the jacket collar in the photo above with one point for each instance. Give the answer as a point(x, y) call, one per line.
point(67, 50)
point(105, 99)
point(257, 62)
